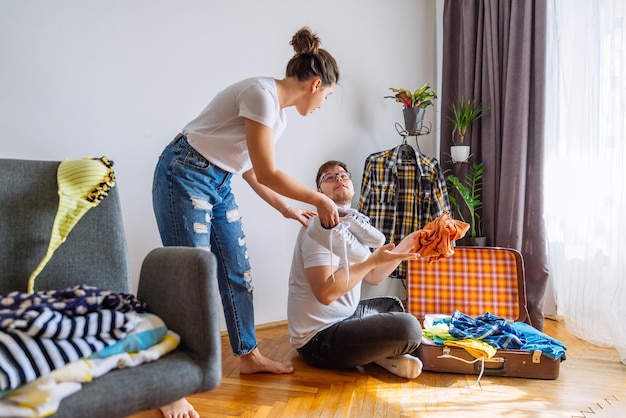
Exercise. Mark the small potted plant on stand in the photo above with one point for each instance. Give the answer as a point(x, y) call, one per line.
point(469, 191)
point(415, 104)
point(463, 113)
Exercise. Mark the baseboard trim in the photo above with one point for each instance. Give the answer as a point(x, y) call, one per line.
point(265, 325)
point(272, 324)
point(557, 318)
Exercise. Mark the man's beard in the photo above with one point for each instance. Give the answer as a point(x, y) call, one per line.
point(343, 198)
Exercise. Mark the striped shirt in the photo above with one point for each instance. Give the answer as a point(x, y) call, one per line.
point(401, 192)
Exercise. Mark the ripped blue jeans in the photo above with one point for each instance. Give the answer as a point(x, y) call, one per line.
point(195, 207)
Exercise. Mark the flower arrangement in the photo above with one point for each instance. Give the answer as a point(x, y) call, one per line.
point(421, 98)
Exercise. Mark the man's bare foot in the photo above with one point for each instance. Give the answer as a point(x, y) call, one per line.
point(255, 362)
point(179, 409)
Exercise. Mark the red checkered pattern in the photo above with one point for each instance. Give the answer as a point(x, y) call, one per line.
point(475, 280)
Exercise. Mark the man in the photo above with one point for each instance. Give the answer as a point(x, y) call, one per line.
point(328, 324)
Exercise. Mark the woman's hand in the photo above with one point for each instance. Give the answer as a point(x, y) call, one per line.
point(300, 215)
point(327, 212)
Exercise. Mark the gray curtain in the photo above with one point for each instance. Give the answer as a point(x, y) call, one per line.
point(494, 51)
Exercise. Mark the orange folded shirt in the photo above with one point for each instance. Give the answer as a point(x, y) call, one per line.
point(434, 241)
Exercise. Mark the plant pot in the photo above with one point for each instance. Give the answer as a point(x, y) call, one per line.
point(459, 153)
point(413, 118)
point(472, 242)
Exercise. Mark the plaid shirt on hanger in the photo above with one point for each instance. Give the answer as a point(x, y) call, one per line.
point(401, 192)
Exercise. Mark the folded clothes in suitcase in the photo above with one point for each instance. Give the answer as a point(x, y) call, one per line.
point(476, 281)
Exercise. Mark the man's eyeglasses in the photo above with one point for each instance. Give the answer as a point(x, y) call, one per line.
point(332, 177)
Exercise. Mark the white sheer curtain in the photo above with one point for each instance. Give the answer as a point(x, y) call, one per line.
point(585, 176)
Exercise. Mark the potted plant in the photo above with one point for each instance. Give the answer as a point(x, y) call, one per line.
point(463, 113)
point(414, 105)
point(469, 191)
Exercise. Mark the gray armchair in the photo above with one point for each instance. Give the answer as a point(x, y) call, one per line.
point(178, 284)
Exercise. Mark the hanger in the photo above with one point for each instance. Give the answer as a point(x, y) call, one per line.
point(406, 154)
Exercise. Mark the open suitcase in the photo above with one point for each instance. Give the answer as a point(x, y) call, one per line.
point(475, 280)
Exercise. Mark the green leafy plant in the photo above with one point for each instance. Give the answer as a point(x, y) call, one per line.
point(463, 113)
point(422, 97)
point(470, 191)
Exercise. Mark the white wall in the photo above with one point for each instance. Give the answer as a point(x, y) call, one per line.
point(120, 78)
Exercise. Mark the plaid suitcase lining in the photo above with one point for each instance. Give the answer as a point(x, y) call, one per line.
point(474, 280)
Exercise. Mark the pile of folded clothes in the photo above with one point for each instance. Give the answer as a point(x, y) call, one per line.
point(53, 341)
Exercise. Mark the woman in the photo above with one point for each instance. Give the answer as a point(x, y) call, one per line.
point(235, 134)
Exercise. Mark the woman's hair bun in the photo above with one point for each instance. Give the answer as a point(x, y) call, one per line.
point(305, 42)
point(310, 60)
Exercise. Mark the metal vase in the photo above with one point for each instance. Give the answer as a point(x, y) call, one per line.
point(413, 118)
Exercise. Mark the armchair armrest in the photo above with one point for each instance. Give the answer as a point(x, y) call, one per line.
point(179, 284)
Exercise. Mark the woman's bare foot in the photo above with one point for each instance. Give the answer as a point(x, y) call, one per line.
point(179, 409)
point(255, 362)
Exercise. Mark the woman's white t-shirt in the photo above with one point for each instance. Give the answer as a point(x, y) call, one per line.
point(218, 132)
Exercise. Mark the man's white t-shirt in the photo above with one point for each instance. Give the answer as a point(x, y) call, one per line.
point(218, 132)
point(305, 315)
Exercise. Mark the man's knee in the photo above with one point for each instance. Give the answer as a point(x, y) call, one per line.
point(412, 328)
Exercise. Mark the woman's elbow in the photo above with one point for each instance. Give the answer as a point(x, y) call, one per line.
point(266, 179)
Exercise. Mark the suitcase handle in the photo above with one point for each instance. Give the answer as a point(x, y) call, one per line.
point(491, 371)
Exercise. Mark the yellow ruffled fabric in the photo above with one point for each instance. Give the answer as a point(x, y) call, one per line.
point(478, 349)
point(82, 185)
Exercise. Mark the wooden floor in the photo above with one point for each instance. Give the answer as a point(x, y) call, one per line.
point(592, 383)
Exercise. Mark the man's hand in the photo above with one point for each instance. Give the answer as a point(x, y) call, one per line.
point(385, 254)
